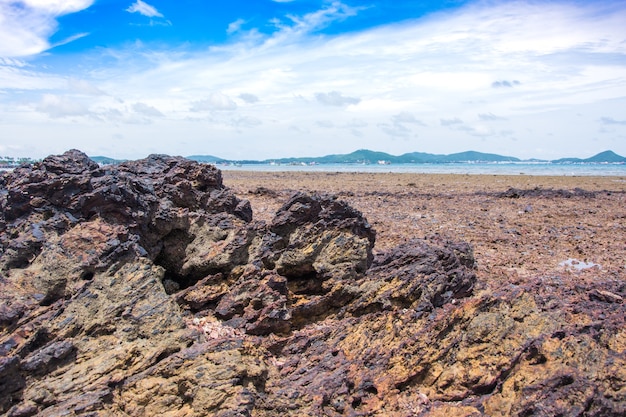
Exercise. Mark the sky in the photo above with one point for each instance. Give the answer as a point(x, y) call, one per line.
point(263, 79)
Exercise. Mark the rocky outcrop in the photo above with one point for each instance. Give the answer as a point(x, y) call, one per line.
point(147, 288)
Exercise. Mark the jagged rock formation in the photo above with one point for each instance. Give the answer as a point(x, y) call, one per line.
point(147, 288)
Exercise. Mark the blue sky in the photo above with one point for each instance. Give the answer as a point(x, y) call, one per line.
point(267, 79)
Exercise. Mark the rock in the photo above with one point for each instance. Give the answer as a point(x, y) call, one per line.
point(418, 275)
point(319, 235)
point(550, 193)
point(147, 288)
point(46, 359)
point(605, 296)
point(12, 381)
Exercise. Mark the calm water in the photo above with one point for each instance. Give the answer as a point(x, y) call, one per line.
point(618, 170)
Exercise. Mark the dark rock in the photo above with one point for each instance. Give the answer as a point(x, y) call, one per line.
point(547, 193)
point(12, 382)
point(48, 358)
point(145, 288)
point(418, 275)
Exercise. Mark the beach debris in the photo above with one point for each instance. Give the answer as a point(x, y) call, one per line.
point(575, 264)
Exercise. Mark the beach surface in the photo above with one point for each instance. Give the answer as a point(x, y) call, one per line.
point(518, 226)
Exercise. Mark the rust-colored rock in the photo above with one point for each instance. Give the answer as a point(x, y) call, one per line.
point(147, 288)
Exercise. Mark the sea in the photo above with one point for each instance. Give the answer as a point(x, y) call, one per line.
point(464, 168)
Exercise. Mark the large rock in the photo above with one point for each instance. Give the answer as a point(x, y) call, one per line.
point(147, 288)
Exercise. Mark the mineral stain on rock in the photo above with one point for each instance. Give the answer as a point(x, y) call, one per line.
point(148, 288)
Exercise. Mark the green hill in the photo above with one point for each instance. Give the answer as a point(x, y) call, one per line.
point(205, 158)
point(602, 157)
point(105, 160)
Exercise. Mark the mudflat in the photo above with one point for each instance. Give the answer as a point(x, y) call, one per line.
point(518, 226)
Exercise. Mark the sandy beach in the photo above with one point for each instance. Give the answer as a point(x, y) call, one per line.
point(519, 226)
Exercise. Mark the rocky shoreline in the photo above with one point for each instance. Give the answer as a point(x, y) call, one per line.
point(163, 286)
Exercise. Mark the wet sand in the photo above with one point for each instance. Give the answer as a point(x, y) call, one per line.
point(519, 226)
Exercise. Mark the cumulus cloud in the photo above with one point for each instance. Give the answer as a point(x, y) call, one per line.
point(395, 130)
point(505, 84)
point(248, 98)
point(480, 131)
point(335, 98)
point(27, 25)
point(147, 110)
point(215, 102)
point(355, 124)
point(398, 128)
point(299, 129)
point(60, 106)
point(327, 124)
point(235, 26)
point(144, 9)
point(83, 87)
point(451, 122)
point(406, 117)
point(612, 121)
point(245, 121)
point(490, 117)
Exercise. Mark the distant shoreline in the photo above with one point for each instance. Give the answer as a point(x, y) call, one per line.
point(512, 168)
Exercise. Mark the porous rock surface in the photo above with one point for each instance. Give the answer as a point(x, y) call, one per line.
point(147, 288)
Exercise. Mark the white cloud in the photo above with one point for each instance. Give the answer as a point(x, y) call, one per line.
point(451, 122)
point(83, 87)
point(490, 117)
point(246, 121)
point(325, 123)
point(296, 26)
point(144, 9)
point(334, 98)
point(56, 7)
point(27, 25)
point(398, 126)
point(396, 130)
point(406, 117)
point(612, 121)
point(147, 110)
point(216, 101)
point(505, 84)
point(248, 98)
point(235, 26)
point(59, 106)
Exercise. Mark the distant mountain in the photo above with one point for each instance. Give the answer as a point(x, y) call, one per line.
point(606, 156)
point(472, 156)
point(205, 158)
point(602, 157)
point(366, 156)
point(105, 160)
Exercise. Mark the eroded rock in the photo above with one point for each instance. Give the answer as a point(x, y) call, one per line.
point(147, 288)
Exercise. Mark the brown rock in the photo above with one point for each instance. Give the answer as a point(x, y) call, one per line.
point(146, 288)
